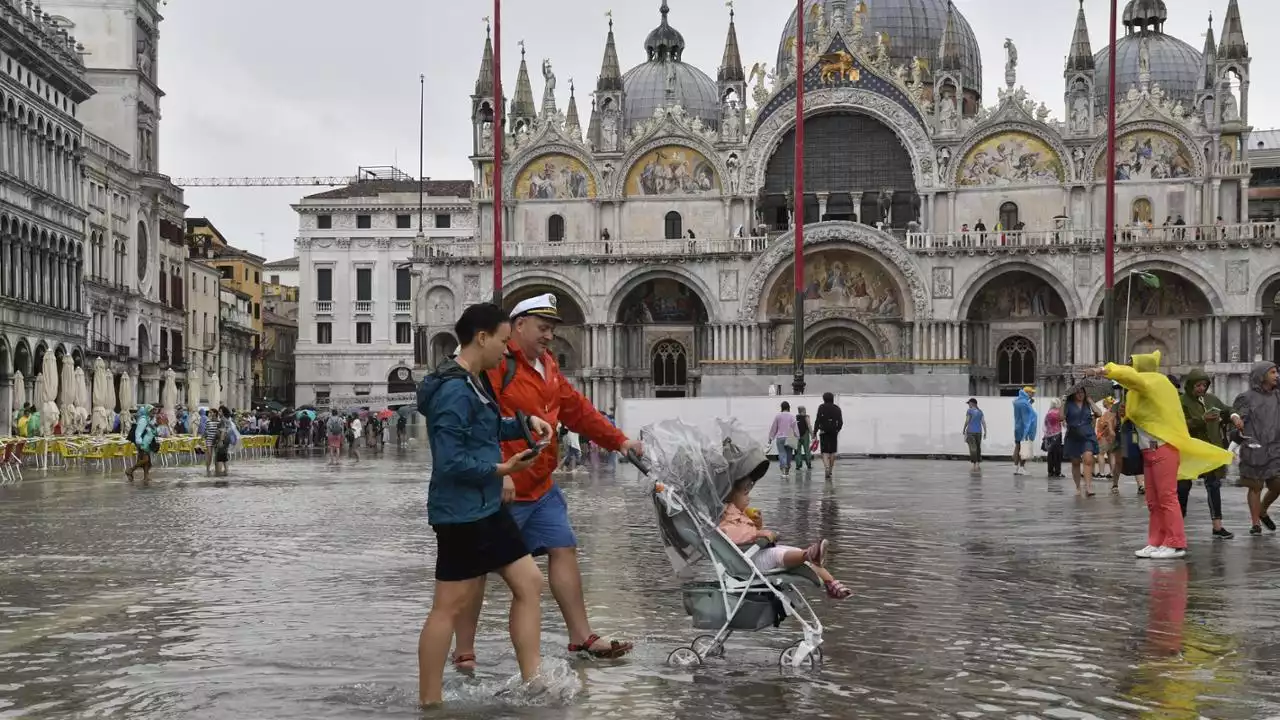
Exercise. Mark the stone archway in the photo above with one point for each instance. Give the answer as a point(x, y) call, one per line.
point(1017, 324)
point(440, 349)
point(883, 249)
point(1153, 308)
point(664, 308)
point(572, 330)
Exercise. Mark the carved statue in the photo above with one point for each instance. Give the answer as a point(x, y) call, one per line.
point(609, 130)
point(944, 161)
point(1077, 159)
point(859, 18)
point(818, 17)
point(1080, 112)
point(1144, 59)
point(917, 72)
point(837, 66)
point(882, 48)
point(486, 137)
point(948, 117)
point(548, 75)
point(885, 204)
point(1042, 112)
point(760, 93)
point(1011, 64)
point(730, 126)
point(671, 79)
point(735, 172)
point(1230, 111)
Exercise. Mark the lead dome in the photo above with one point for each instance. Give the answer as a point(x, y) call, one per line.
point(1176, 67)
point(665, 79)
point(915, 29)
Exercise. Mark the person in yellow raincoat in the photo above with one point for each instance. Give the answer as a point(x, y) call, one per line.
point(1169, 453)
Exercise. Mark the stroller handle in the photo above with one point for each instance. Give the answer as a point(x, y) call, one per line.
point(641, 464)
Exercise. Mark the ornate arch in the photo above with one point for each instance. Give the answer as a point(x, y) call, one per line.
point(766, 138)
point(985, 132)
point(1032, 265)
point(1193, 148)
point(901, 265)
point(823, 319)
point(618, 179)
point(425, 312)
point(553, 279)
point(671, 272)
point(1270, 281)
point(1205, 281)
point(535, 150)
point(6, 361)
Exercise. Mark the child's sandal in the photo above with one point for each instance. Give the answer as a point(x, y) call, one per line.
point(837, 591)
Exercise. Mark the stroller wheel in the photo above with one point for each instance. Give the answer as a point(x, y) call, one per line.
point(684, 657)
point(786, 660)
point(705, 646)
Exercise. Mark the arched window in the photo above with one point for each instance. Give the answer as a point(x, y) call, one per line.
point(555, 228)
point(1015, 364)
point(670, 366)
point(143, 250)
point(674, 226)
point(1009, 216)
point(1142, 212)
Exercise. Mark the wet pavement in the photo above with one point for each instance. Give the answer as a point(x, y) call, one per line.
point(298, 592)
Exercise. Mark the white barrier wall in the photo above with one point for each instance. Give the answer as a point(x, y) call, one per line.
point(900, 425)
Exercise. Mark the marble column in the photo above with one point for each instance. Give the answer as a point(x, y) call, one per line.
point(856, 199)
point(1242, 205)
point(1215, 201)
point(822, 205)
point(951, 213)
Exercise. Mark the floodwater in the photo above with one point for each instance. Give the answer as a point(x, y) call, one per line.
point(298, 592)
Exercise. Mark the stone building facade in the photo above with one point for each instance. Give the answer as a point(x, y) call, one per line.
point(953, 244)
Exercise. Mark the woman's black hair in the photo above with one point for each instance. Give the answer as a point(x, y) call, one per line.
point(786, 406)
point(482, 317)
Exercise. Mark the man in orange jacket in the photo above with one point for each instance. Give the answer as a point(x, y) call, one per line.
point(530, 381)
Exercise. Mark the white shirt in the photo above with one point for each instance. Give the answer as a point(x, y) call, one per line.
point(356, 427)
point(542, 369)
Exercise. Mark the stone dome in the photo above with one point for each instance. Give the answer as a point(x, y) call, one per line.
point(646, 85)
point(1175, 66)
point(915, 29)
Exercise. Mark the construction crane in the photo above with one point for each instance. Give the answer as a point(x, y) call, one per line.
point(382, 172)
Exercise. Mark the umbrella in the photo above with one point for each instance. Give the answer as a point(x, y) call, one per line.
point(385, 414)
point(67, 382)
point(215, 390)
point(82, 402)
point(169, 395)
point(193, 389)
point(19, 390)
point(127, 397)
point(103, 398)
point(47, 390)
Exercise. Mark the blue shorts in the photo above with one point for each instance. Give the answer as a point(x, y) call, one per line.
point(544, 523)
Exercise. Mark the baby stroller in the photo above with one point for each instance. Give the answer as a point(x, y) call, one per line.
point(691, 478)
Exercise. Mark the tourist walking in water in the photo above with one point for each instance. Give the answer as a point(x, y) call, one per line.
point(1256, 415)
point(227, 437)
point(1205, 415)
point(529, 380)
point(804, 453)
point(467, 501)
point(1168, 450)
point(355, 430)
point(828, 423)
point(1052, 442)
point(1130, 452)
point(1081, 446)
point(784, 433)
point(975, 431)
point(146, 442)
point(1107, 428)
point(1024, 429)
point(334, 429)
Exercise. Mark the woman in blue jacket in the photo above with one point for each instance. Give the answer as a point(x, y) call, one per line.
point(470, 485)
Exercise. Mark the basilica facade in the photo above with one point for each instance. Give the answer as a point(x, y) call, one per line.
point(953, 240)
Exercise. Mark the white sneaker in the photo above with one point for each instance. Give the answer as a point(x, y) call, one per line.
point(1168, 553)
point(1147, 552)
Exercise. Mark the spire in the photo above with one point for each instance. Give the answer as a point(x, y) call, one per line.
point(484, 83)
point(610, 70)
point(522, 106)
point(731, 64)
point(1210, 80)
point(1233, 46)
point(664, 42)
point(1081, 57)
point(949, 51)
point(571, 122)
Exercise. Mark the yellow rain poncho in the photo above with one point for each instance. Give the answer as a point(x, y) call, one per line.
point(1155, 406)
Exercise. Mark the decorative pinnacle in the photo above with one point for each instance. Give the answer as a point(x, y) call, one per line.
point(609, 14)
point(488, 24)
point(521, 44)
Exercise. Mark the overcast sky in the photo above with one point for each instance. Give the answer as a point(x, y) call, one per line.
point(321, 87)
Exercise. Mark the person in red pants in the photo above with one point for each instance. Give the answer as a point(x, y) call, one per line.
point(1169, 452)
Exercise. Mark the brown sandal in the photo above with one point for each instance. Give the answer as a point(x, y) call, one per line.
point(461, 658)
point(615, 650)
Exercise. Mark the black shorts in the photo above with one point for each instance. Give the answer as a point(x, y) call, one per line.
point(221, 455)
point(470, 550)
point(827, 443)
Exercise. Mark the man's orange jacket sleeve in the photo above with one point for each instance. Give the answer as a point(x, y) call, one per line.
point(579, 415)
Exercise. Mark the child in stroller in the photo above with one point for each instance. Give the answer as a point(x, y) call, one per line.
point(744, 526)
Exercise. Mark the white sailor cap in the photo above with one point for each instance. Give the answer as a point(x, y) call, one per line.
point(543, 306)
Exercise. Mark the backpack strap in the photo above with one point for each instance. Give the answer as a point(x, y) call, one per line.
point(509, 372)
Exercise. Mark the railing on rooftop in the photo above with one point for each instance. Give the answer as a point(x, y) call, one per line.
point(472, 250)
point(1125, 236)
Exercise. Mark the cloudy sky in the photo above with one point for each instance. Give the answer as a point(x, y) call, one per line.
point(321, 87)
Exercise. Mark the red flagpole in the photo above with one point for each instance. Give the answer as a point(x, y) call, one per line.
point(1109, 302)
point(797, 346)
point(499, 135)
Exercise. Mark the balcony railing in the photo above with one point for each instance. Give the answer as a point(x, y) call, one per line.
point(122, 351)
point(1125, 236)
point(472, 250)
point(324, 307)
point(362, 307)
point(1235, 168)
point(404, 307)
point(101, 347)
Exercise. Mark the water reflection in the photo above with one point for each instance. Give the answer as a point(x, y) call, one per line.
point(298, 593)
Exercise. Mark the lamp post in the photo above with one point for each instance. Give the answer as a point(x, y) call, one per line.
point(797, 344)
point(1108, 299)
point(499, 135)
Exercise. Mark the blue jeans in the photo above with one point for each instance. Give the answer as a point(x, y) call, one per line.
point(784, 454)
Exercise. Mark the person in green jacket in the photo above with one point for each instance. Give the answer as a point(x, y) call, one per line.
point(1205, 415)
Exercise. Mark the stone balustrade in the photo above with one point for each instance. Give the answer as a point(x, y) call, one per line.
point(1030, 240)
point(596, 249)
